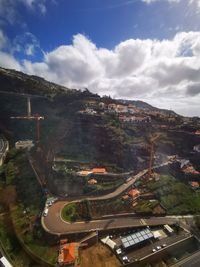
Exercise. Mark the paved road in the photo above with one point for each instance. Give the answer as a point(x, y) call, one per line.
point(55, 225)
point(122, 188)
point(125, 186)
point(192, 261)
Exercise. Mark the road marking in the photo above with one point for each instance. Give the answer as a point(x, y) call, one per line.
point(143, 222)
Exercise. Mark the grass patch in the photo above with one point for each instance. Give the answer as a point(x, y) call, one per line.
point(20, 228)
point(30, 238)
point(175, 196)
point(69, 212)
point(11, 245)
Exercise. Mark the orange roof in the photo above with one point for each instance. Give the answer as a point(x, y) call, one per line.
point(87, 172)
point(102, 170)
point(194, 184)
point(134, 193)
point(67, 253)
point(92, 181)
point(84, 172)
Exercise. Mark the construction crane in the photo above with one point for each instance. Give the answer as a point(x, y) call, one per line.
point(29, 116)
point(152, 152)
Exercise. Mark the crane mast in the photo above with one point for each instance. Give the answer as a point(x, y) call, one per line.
point(29, 116)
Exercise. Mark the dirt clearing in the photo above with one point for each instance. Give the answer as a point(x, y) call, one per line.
point(98, 256)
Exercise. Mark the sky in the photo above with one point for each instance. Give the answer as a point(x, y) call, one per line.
point(145, 50)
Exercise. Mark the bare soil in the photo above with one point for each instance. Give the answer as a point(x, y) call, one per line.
point(99, 256)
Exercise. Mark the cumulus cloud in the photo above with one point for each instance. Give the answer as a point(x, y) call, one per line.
point(193, 89)
point(8, 61)
point(151, 70)
point(164, 73)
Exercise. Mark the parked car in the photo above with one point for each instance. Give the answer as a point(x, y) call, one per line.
point(125, 259)
point(119, 251)
point(45, 212)
point(158, 247)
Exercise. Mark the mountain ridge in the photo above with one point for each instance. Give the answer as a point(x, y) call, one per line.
point(22, 83)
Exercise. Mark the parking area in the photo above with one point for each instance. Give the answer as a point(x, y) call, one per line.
point(154, 247)
point(139, 244)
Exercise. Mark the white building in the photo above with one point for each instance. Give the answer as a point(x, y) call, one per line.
point(4, 262)
point(24, 144)
point(196, 148)
point(109, 242)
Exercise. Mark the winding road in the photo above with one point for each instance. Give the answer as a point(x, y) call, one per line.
point(54, 224)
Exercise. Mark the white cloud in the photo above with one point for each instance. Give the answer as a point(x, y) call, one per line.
point(26, 43)
point(35, 4)
point(170, 1)
point(151, 70)
point(196, 3)
point(9, 8)
point(164, 73)
point(8, 61)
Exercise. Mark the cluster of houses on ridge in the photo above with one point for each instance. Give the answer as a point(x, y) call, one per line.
point(126, 113)
point(129, 113)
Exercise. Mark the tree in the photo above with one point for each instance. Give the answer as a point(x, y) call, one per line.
point(10, 172)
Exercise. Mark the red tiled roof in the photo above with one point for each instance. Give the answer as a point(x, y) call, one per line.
point(102, 170)
point(134, 193)
point(194, 184)
point(92, 181)
point(68, 253)
point(84, 172)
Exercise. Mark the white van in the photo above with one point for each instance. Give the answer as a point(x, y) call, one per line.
point(45, 212)
point(4, 262)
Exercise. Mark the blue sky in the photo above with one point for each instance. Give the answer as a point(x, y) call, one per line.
point(133, 49)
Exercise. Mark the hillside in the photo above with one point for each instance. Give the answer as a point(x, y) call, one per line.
point(146, 106)
point(18, 82)
point(89, 130)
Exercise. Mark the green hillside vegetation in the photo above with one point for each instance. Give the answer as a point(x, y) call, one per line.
point(22, 199)
point(175, 196)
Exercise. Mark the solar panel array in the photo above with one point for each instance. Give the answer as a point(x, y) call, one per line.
point(136, 238)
